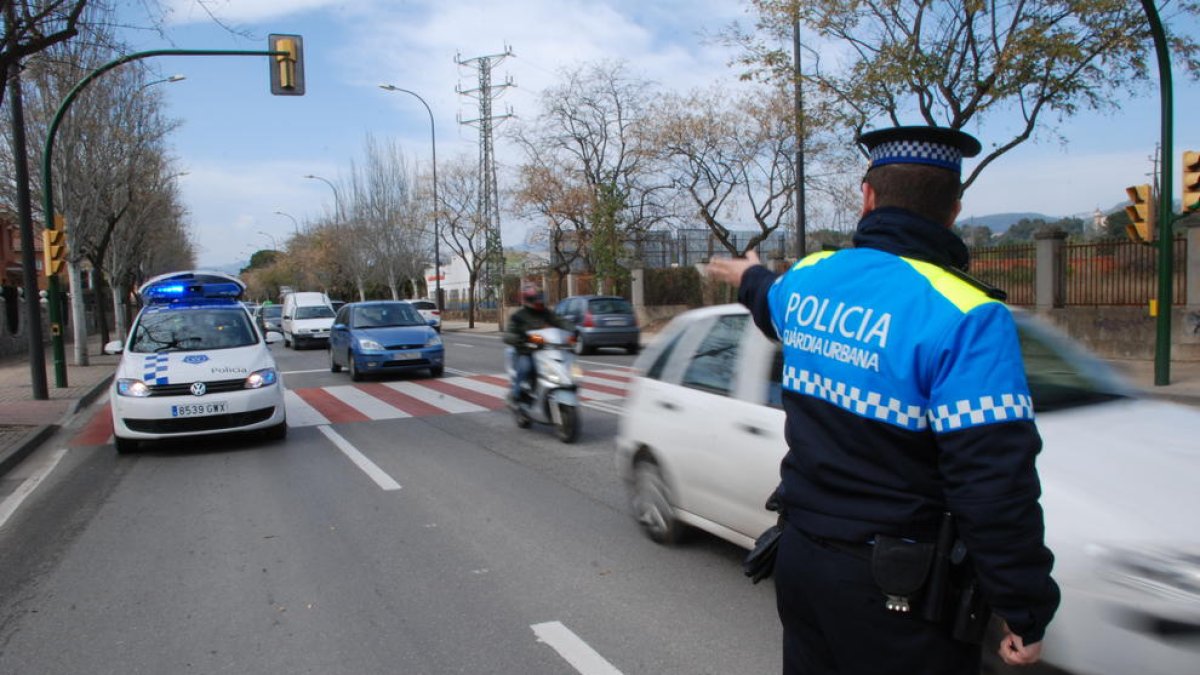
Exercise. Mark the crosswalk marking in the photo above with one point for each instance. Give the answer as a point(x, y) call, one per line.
point(338, 404)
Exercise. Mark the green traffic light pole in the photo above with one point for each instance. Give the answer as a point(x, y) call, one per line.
point(1166, 234)
point(52, 284)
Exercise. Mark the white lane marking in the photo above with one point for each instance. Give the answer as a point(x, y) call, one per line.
point(365, 403)
point(463, 344)
point(435, 398)
point(461, 373)
point(368, 467)
point(300, 372)
point(575, 651)
point(299, 412)
point(603, 382)
point(9, 506)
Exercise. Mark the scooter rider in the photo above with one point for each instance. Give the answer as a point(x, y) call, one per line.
point(533, 315)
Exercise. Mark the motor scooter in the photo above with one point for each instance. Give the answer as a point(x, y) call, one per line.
point(553, 396)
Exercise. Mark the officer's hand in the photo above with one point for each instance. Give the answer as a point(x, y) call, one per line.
point(730, 270)
point(1015, 652)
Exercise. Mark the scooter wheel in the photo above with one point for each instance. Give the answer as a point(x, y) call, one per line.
point(568, 427)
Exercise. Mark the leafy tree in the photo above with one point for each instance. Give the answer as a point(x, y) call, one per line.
point(955, 63)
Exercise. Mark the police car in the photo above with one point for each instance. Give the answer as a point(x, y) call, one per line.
point(193, 364)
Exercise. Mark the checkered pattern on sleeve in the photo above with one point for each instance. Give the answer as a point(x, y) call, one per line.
point(154, 370)
point(917, 152)
point(869, 404)
point(983, 410)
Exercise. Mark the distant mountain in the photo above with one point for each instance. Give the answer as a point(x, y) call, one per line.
point(1000, 222)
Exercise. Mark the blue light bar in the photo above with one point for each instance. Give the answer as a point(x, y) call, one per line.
point(191, 287)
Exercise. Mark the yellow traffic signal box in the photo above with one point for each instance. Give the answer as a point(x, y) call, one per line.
point(54, 250)
point(1141, 213)
point(1191, 181)
point(287, 68)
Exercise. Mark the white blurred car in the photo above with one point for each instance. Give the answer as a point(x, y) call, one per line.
point(194, 364)
point(701, 439)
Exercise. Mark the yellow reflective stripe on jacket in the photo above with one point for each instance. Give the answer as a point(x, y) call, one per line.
point(812, 259)
point(961, 294)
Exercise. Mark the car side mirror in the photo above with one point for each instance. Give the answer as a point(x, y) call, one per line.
point(114, 347)
point(339, 326)
point(287, 316)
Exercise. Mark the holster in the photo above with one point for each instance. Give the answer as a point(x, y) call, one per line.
point(759, 563)
point(935, 580)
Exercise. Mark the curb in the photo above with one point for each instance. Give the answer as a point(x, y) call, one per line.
point(32, 440)
point(25, 446)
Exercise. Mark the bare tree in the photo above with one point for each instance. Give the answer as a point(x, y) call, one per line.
point(464, 227)
point(587, 168)
point(384, 204)
point(957, 63)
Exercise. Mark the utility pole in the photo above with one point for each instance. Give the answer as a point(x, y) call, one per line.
point(489, 203)
point(801, 235)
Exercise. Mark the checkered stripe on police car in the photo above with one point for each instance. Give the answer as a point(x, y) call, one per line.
point(906, 151)
point(866, 403)
point(981, 411)
point(155, 368)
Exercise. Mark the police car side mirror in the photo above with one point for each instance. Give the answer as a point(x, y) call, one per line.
point(273, 336)
point(114, 347)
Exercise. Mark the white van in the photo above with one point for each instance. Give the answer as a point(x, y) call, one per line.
point(307, 317)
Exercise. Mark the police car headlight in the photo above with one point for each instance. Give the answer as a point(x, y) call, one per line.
point(369, 345)
point(433, 341)
point(262, 378)
point(134, 388)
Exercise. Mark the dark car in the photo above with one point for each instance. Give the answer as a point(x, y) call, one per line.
point(601, 321)
point(383, 336)
point(268, 317)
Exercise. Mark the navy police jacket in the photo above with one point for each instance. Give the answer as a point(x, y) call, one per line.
point(905, 397)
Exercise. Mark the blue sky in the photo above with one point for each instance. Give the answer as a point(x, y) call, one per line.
point(246, 152)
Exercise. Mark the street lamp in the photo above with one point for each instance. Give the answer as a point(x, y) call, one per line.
point(274, 246)
point(437, 235)
point(337, 202)
point(173, 78)
point(295, 225)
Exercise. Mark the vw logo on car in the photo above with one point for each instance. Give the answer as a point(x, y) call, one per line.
point(198, 389)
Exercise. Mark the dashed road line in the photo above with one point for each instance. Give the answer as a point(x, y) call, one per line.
point(573, 649)
point(360, 460)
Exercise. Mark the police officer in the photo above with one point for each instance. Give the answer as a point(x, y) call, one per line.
point(533, 315)
point(906, 398)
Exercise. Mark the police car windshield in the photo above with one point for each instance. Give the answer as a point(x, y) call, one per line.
point(174, 329)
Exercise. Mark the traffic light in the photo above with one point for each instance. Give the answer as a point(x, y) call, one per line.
point(1191, 181)
point(287, 69)
point(1141, 213)
point(54, 250)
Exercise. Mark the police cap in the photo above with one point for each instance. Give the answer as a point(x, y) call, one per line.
point(933, 146)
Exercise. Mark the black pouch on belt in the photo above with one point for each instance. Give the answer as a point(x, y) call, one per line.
point(759, 563)
point(900, 568)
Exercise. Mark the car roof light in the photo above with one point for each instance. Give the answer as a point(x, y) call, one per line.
point(192, 287)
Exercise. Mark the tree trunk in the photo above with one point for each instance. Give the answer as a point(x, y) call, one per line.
point(471, 300)
point(118, 300)
point(78, 313)
point(101, 313)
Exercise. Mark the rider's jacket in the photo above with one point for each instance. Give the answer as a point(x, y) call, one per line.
point(906, 396)
point(526, 319)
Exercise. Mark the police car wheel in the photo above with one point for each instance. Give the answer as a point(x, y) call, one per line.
point(334, 366)
point(125, 446)
point(651, 503)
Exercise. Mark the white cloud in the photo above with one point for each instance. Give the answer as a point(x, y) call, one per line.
point(183, 12)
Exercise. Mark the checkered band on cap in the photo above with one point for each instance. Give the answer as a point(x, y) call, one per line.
point(917, 152)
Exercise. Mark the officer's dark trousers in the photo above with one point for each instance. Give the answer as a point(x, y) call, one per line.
point(834, 620)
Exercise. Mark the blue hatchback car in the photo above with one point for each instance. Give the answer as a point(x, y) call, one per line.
point(383, 336)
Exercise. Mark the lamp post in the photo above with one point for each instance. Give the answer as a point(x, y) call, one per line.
point(337, 201)
point(437, 235)
point(274, 246)
point(295, 225)
point(174, 78)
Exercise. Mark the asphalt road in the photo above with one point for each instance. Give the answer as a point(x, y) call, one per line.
point(430, 543)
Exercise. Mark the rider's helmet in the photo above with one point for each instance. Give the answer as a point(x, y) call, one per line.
point(531, 296)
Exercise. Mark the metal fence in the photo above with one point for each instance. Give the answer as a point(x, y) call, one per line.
point(1104, 273)
point(1010, 268)
point(1121, 273)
